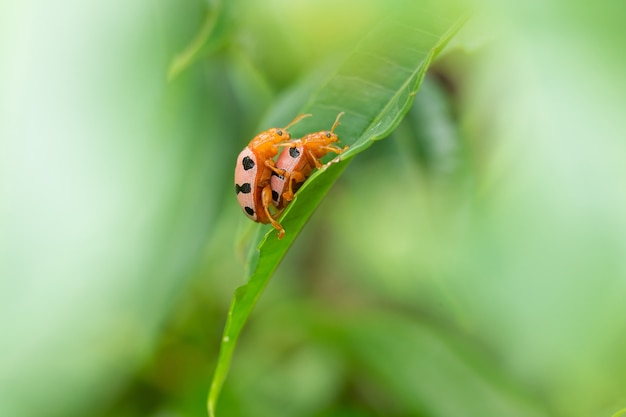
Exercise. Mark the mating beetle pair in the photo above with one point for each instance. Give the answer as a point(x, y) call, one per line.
point(261, 182)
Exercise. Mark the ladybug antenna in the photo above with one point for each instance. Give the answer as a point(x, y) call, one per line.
point(296, 120)
point(332, 129)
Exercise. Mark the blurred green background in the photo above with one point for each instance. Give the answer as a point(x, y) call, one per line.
point(472, 264)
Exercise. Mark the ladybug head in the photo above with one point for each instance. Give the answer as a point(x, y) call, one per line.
point(329, 137)
point(277, 135)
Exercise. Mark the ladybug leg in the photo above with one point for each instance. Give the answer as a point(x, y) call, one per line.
point(266, 197)
point(314, 158)
point(337, 149)
point(281, 172)
point(295, 176)
point(272, 165)
point(334, 149)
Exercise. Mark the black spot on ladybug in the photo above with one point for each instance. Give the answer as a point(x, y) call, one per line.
point(245, 188)
point(247, 163)
point(294, 152)
point(279, 176)
point(274, 196)
point(249, 210)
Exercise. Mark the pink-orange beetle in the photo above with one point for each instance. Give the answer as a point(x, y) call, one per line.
point(298, 160)
point(255, 164)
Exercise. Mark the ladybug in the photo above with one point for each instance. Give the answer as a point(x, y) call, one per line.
point(255, 164)
point(298, 160)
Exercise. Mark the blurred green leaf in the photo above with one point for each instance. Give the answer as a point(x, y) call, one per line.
point(428, 136)
point(124, 176)
point(424, 366)
point(375, 88)
point(416, 365)
point(208, 38)
point(620, 413)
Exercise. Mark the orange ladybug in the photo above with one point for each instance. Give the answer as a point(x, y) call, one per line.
point(255, 165)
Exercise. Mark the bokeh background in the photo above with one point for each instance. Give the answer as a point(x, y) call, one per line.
point(472, 264)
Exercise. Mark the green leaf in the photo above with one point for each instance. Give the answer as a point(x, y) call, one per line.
point(375, 87)
point(209, 38)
